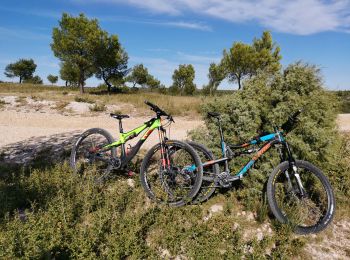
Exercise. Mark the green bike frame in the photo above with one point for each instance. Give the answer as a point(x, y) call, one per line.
point(126, 157)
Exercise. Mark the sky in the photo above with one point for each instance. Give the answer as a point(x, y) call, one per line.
point(162, 34)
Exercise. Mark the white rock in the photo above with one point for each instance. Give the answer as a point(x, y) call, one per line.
point(79, 107)
point(250, 216)
point(216, 208)
point(130, 182)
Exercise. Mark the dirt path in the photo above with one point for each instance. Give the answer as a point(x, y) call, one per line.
point(18, 126)
point(343, 121)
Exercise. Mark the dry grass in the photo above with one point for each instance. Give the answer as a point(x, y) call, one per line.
point(2, 104)
point(61, 106)
point(98, 107)
point(175, 105)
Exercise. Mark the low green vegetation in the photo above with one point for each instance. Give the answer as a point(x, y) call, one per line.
point(344, 96)
point(55, 214)
point(98, 107)
point(2, 103)
point(83, 99)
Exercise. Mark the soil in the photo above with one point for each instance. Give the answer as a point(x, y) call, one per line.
point(19, 121)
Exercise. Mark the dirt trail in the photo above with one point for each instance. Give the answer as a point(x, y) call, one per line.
point(343, 121)
point(18, 126)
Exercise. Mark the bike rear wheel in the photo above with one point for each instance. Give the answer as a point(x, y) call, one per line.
point(87, 156)
point(208, 186)
point(309, 209)
point(176, 180)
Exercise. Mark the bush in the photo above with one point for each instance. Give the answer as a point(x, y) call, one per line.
point(34, 80)
point(98, 107)
point(344, 97)
point(267, 100)
point(56, 214)
point(83, 99)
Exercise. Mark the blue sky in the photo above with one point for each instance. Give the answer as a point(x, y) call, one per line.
point(162, 34)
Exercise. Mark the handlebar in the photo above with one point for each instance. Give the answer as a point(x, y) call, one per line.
point(159, 111)
point(288, 125)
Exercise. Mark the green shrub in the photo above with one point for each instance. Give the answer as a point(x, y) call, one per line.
point(344, 97)
point(83, 99)
point(267, 100)
point(2, 103)
point(56, 214)
point(98, 107)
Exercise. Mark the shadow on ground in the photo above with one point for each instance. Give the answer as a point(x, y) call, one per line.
point(17, 160)
point(39, 152)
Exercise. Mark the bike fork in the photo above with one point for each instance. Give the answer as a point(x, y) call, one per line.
point(295, 171)
point(297, 177)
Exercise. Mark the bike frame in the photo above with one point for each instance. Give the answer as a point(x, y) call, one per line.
point(126, 157)
point(268, 140)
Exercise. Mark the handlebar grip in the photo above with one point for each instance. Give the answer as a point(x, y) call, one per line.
point(156, 109)
point(288, 126)
point(296, 114)
point(149, 103)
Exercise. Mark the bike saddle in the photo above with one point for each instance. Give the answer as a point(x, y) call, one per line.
point(119, 116)
point(213, 114)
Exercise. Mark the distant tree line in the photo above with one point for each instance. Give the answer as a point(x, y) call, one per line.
point(86, 50)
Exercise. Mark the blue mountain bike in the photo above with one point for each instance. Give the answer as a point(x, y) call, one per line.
point(298, 192)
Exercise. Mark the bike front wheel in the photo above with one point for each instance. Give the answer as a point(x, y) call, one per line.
point(171, 173)
point(304, 200)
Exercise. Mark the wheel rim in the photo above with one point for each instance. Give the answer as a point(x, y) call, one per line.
point(89, 159)
point(207, 187)
point(175, 183)
point(303, 211)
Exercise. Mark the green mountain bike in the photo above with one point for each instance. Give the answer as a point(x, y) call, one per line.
point(171, 171)
point(298, 192)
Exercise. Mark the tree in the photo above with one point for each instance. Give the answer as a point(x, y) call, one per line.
point(239, 62)
point(244, 60)
point(53, 79)
point(76, 41)
point(216, 75)
point(70, 74)
point(183, 80)
point(268, 53)
point(139, 75)
point(152, 82)
point(23, 69)
point(34, 80)
point(112, 61)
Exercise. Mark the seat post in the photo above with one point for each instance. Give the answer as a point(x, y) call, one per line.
point(220, 130)
point(120, 126)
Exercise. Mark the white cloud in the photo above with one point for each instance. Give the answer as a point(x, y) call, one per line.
point(159, 6)
point(180, 24)
point(188, 25)
point(9, 33)
point(296, 17)
point(197, 58)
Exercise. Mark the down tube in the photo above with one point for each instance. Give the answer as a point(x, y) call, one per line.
point(254, 159)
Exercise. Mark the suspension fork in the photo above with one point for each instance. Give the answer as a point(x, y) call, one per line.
point(292, 166)
point(163, 149)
